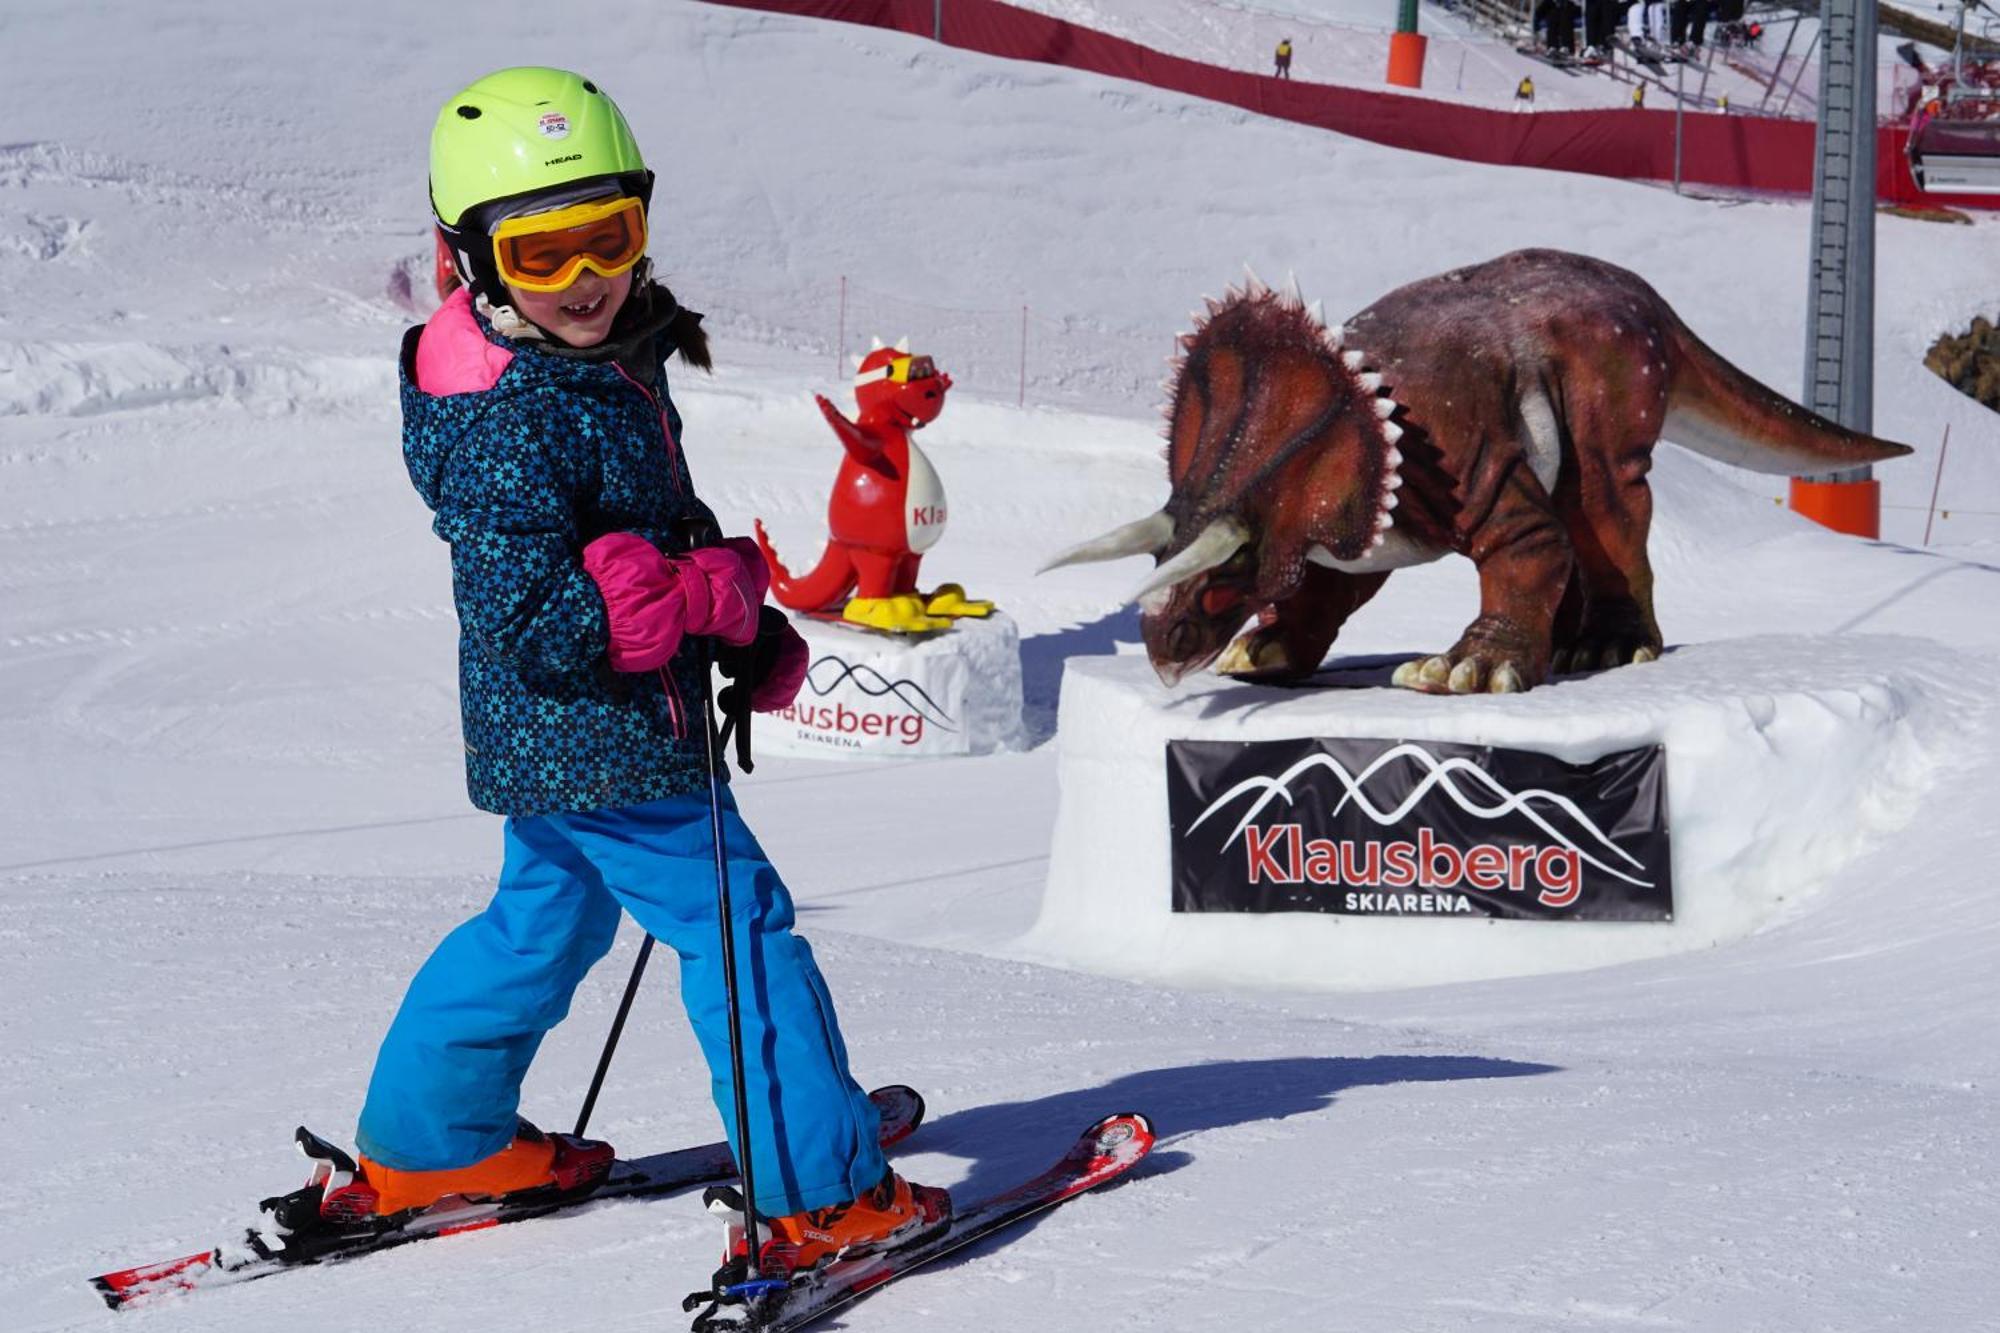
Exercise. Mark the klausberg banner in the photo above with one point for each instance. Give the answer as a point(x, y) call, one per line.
point(1418, 828)
point(855, 701)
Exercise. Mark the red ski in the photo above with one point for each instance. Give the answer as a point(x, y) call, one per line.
point(1101, 1154)
point(270, 1248)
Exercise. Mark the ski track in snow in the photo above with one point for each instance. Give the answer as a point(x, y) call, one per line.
point(229, 762)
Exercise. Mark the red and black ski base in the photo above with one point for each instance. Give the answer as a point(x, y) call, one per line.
point(272, 1248)
point(1104, 1152)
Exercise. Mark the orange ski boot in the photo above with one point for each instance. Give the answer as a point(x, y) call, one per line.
point(560, 1163)
point(893, 1213)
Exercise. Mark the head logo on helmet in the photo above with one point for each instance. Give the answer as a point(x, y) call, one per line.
point(490, 159)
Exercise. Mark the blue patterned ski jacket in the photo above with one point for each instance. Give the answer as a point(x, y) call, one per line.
point(525, 456)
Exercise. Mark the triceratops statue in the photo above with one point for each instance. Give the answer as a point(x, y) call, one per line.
point(1506, 412)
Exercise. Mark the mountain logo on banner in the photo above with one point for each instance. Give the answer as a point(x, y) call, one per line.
point(1400, 828)
point(1439, 777)
point(876, 685)
point(857, 707)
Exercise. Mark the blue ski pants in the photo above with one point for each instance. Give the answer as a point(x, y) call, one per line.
point(448, 1079)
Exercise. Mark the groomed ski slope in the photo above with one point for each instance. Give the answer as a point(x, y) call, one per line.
point(234, 821)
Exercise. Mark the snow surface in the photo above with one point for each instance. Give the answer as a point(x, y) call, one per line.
point(234, 819)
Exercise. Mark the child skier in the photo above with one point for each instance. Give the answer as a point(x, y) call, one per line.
point(538, 428)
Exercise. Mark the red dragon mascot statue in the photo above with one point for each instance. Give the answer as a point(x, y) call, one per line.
point(887, 509)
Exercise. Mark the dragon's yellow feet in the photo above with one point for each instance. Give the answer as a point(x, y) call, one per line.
point(950, 600)
point(897, 615)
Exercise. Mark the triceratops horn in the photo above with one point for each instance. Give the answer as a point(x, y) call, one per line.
point(1218, 541)
point(1149, 536)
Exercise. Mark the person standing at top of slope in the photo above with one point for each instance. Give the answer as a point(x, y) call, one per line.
point(1282, 59)
point(591, 588)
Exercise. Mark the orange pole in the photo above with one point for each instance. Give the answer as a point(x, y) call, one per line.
point(1406, 59)
point(1852, 507)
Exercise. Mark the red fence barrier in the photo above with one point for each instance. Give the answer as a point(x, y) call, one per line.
point(1757, 153)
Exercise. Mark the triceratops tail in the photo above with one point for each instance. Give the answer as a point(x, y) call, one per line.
point(1715, 409)
point(827, 585)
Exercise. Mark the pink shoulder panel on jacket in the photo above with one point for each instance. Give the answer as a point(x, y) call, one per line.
point(453, 356)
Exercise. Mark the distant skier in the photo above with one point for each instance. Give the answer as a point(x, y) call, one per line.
point(1698, 16)
point(537, 426)
point(1599, 18)
point(1283, 59)
point(1524, 94)
point(1646, 24)
point(1561, 38)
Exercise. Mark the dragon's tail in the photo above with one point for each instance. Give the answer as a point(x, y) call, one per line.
point(828, 584)
point(1715, 409)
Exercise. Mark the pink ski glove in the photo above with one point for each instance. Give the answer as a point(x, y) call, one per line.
point(737, 579)
point(787, 674)
point(652, 601)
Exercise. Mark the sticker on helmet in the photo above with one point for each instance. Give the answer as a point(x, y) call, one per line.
point(554, 125)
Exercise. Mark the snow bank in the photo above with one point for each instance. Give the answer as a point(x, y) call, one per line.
point(1785, 757)
point(81, 379)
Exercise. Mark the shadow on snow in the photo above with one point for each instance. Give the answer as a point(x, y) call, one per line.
point(1043, 655)
point(1009, 1141)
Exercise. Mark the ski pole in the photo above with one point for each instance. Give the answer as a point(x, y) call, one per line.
point(611, 1042)
point(731, 995)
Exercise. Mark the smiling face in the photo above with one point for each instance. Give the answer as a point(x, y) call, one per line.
point(581, 314)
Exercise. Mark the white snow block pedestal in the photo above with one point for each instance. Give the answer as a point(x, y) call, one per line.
point(875, 696)
point(1785, 757)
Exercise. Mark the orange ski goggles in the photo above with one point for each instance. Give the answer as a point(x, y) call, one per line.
point(545, 252)
point(906, 368)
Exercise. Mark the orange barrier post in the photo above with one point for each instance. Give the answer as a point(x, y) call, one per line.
point(1852, 507)
point(1406, 59)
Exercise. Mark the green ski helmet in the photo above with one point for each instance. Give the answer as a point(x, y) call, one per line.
point(520, 141)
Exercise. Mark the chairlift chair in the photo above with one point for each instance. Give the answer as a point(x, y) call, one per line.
point(1955, 126)
point(1956, 155)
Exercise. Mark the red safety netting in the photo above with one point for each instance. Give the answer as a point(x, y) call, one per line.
point(1751, 153)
